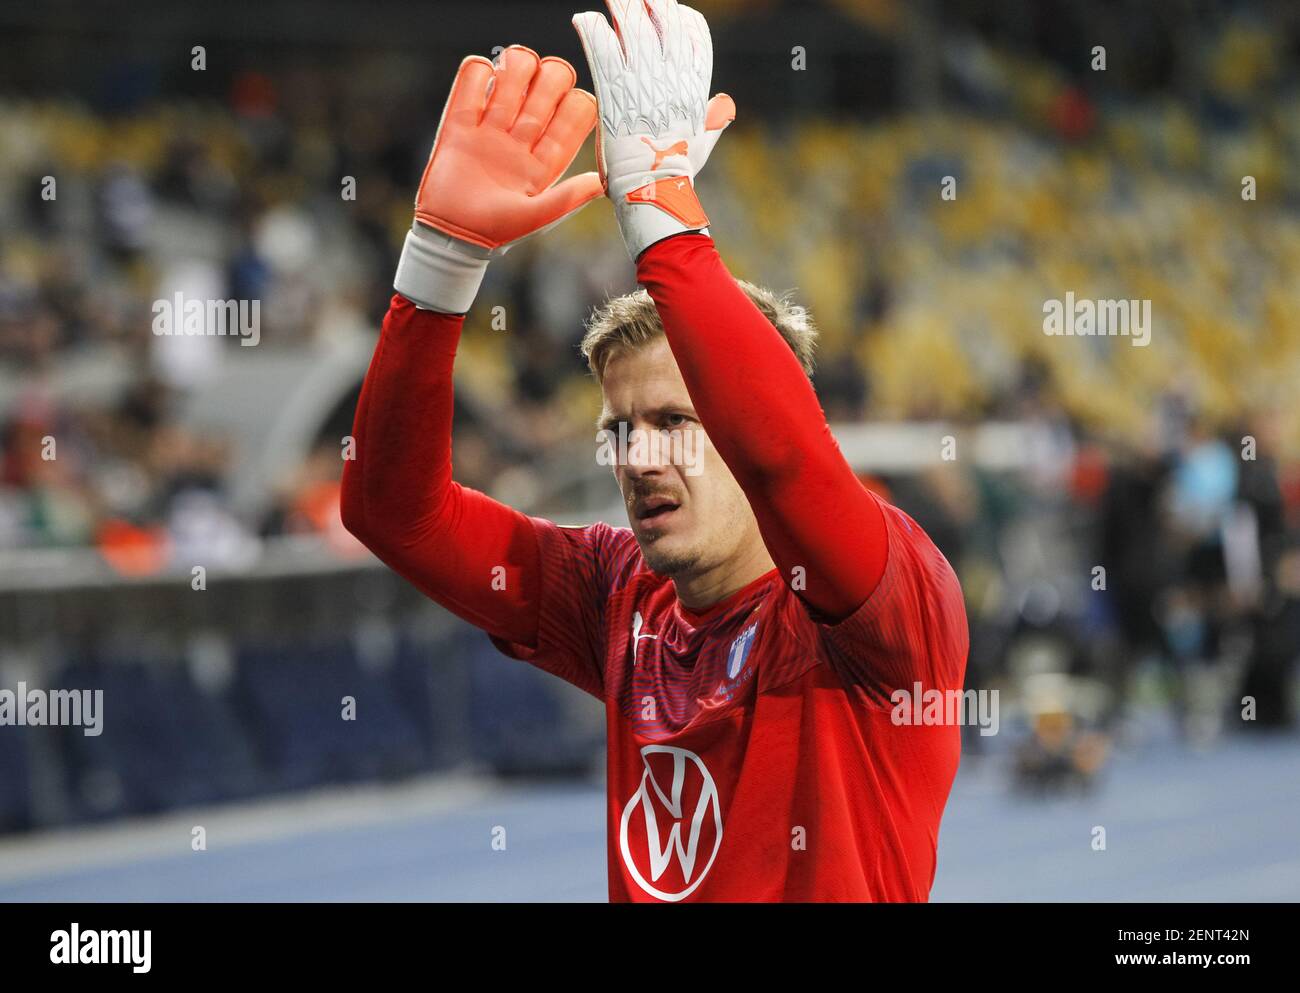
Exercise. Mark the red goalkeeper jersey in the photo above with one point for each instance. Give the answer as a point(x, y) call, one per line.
point(751, 750)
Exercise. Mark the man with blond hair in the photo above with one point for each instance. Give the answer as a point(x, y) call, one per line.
point(748, 630)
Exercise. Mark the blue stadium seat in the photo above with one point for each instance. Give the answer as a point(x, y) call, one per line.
point(15, 780)
point(516, 720)
point(292, 698)
point(166, 743)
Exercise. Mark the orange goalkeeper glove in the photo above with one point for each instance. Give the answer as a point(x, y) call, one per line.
point(508, 133)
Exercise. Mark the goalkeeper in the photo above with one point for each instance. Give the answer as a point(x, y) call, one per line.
point(748, 628)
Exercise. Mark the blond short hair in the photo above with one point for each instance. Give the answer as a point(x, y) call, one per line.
point(631, 321)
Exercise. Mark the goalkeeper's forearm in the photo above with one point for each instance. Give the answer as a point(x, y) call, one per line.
point(762, 416)
point(399, 497)
point(508, 132)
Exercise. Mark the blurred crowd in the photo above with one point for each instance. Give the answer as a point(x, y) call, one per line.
point(295, 188)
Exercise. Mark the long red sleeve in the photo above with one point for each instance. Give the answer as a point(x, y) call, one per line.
point(763, 417)
point(476, 557)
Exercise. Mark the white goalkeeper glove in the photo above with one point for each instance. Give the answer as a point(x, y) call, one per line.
point(652, 72)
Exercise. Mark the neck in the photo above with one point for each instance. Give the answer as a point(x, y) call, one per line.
point(703, 590)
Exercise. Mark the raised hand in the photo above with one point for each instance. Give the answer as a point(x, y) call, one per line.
point(652, 70)
point(508, 133)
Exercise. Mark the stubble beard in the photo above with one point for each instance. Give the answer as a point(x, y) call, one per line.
point(681, 563)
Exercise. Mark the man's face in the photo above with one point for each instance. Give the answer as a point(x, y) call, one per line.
point(686, 509)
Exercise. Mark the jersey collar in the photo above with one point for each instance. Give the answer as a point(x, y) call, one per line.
point(697, 617)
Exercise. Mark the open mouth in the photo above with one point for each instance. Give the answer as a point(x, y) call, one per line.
point(655, 510)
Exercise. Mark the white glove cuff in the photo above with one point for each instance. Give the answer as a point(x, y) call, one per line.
point(643, 224)
point(439, 272)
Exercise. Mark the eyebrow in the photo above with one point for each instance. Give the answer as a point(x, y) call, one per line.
point(610, 421)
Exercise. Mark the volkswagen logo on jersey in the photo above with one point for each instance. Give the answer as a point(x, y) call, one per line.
point(662, 847)
point(740, 650)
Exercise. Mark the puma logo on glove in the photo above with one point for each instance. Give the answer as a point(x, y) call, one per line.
point(678, 148)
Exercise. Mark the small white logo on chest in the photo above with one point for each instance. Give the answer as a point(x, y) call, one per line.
point(637, 623)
